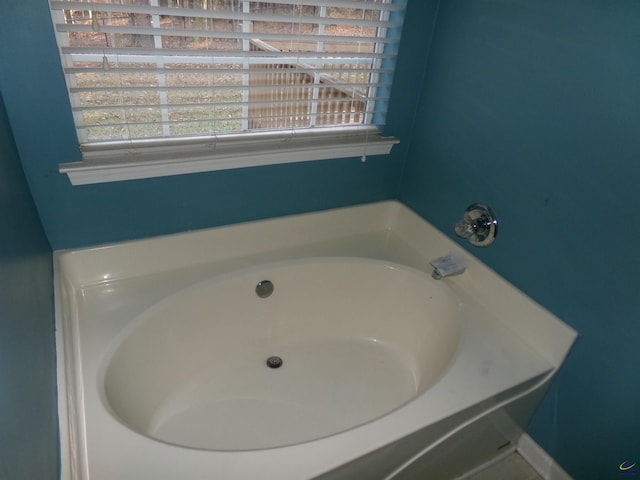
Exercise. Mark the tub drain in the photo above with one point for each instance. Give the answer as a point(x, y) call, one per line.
point(274, 362)
point(264, 288)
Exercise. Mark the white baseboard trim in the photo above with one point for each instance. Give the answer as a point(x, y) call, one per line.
point(540, 460)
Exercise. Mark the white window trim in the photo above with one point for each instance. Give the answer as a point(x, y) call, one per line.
point(109, 162)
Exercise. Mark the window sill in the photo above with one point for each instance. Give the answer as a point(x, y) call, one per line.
point(112, 163)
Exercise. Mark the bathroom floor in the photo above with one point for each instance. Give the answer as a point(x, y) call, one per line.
point(513, 467)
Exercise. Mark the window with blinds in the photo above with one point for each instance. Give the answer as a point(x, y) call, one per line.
point(148, 72)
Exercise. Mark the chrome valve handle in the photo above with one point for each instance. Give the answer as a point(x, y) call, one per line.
point(479, 225)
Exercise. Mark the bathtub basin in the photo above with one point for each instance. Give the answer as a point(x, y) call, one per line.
point(377, 370)
point(350, 340)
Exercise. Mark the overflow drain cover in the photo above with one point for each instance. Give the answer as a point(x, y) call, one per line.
point(274, 362)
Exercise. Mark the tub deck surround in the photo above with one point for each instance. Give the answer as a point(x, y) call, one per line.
point(497, 374)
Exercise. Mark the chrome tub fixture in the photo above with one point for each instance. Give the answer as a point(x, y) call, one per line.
point(479, 225)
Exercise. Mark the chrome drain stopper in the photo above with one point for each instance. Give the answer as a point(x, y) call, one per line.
point(274, 362)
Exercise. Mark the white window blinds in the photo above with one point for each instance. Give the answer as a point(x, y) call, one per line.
point(164, 69)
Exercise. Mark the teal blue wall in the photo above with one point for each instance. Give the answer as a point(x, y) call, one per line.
point(533, 106)
point(33, 86)
point(28, 432)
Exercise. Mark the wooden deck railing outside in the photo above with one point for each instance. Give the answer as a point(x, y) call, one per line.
point(296, 100)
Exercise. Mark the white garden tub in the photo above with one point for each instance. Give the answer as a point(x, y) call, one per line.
point(348, 361)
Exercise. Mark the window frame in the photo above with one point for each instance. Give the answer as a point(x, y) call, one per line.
point(103, 165)
point(110, 161)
